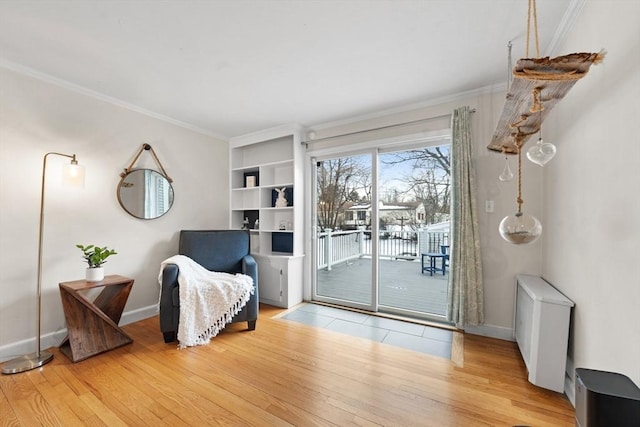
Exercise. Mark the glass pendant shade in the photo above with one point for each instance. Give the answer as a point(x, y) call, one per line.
point(520, 229)
point(541, 152)
point(506, 174)
point(73, 175)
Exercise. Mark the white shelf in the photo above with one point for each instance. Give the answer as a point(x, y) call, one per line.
point(275, 158)
point(245, 199)
point(288, 208)
point(271, 156)
point(252, 168)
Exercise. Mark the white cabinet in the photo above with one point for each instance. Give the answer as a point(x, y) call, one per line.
point(279, 279)
point(263, 166)
point(542, 330)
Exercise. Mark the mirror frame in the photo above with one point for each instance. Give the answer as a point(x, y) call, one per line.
point(129, 210)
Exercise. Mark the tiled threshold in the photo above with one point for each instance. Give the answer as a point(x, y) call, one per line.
point(412, 336)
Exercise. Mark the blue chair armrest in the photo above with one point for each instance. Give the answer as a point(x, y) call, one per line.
point(169, 283)
point(250, 268)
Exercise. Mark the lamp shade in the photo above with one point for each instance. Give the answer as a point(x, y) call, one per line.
point(73, 175)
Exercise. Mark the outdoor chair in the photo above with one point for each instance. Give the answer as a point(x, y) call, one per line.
point(445, 251)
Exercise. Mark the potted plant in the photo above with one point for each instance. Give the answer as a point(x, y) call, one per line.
point(95, 257)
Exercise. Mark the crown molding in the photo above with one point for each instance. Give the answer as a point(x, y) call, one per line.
point(568, 19)
point(47, 78)
point(460, 96)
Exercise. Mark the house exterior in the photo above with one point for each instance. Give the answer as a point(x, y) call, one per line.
point(393, 214)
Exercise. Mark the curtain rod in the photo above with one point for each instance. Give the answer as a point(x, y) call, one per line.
point(473, 110)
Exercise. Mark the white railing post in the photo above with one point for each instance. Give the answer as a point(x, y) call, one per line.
point(327, 248)
point(361, 242)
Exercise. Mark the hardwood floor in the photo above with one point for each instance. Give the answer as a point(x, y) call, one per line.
point(283, 373)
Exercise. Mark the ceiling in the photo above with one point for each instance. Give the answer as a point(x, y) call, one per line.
point(233, 67)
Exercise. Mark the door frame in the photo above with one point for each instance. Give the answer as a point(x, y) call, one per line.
point(373, 147)
point(373, 304)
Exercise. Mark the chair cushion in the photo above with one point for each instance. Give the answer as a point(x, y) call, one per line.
point(216, 250)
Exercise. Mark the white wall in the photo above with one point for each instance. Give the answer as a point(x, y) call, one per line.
point(37, 117)
point(501, 261)
point(592, 207)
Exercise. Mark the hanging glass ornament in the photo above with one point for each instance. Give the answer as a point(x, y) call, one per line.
point(520, 228)
point(506, 174)
point(541, 152)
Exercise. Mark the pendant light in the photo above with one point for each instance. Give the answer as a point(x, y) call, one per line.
point(541, 152)
point(520, 228)
point(506, 174)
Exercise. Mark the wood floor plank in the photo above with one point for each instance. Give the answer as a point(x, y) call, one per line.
point(102, 411)
point(27, 403)
point(58, 404)
point(283, 373)
point(8, 418)
point(65, 392)
point(117, 393)
point(175, 387)
point(308, 383)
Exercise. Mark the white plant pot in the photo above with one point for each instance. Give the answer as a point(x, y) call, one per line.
point(95, 274)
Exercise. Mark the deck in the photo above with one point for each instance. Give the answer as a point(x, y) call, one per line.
point(401, 284)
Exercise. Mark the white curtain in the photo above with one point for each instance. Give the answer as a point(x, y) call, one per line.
point(465, 307)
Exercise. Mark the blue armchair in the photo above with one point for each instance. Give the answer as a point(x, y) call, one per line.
point(216, 250)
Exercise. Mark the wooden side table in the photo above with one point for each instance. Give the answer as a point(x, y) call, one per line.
point(92, 326)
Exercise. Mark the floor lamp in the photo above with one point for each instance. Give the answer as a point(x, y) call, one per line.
point(72, 176)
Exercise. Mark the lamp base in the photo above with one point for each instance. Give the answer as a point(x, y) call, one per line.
point(26, 362)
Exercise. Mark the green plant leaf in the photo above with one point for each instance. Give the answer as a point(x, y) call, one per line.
point(95, 255)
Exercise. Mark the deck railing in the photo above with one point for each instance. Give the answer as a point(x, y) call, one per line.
point(335, 247)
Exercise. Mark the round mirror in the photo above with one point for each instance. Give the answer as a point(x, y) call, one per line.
point(145, 193)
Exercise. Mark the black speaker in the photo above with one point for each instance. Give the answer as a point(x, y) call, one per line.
point(606, 399)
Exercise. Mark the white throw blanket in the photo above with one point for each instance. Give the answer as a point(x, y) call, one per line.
point(208, 299)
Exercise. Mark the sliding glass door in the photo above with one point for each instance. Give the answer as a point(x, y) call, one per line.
point(382, 230)
point(413, 210)
point(345, 267)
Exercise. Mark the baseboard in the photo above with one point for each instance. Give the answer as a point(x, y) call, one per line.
point(491, 331)
point(139, 314)
point(570, 389)
point(569, 383)
point(53, 339)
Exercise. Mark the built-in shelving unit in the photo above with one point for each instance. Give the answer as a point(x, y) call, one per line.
point(264, 164)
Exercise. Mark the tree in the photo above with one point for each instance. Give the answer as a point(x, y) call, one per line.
point(434, 192)
point(340, 181)
point(430, 179)
point(392, 195)
point(427, 158)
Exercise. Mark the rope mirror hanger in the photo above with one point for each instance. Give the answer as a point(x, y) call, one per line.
point(145, 193)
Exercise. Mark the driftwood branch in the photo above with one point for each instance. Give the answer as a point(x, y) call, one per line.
point(538, 85)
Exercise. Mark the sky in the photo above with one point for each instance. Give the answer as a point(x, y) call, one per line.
point(394, 175)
